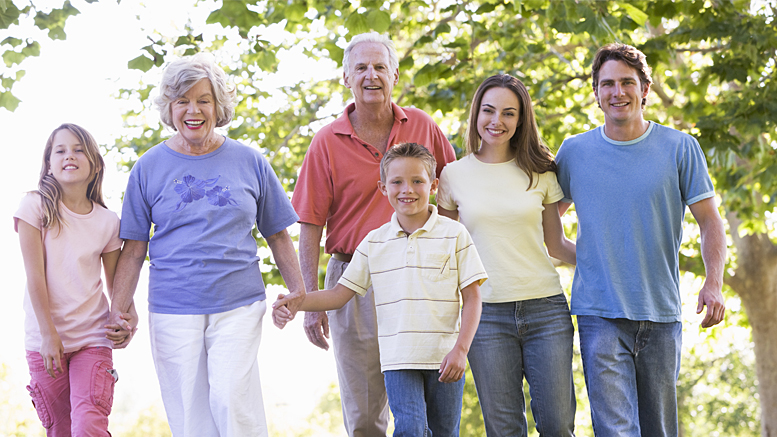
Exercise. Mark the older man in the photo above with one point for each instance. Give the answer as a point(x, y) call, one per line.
point(631, 180)
point(338, 188)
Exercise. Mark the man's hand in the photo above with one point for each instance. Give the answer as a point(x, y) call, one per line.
point(716, 306)
point(317, 328)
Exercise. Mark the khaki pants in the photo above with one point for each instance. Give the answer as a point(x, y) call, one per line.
point(354, 330)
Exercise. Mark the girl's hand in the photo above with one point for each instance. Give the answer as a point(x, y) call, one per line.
point(52, 352)
point(453, 365)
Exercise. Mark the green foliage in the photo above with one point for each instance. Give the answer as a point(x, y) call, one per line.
point(17, 49)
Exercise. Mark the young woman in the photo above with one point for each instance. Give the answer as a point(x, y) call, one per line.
point(505, 193)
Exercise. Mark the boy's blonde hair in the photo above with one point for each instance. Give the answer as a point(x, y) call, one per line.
point(408, 150)
point(50, 190)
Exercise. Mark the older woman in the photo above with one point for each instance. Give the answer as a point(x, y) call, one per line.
point(203, 193)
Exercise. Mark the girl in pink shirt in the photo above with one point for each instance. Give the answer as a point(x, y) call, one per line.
point(66, 233)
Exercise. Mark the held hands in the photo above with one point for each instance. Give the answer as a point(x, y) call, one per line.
point(52, 351)
point(285, 308)
point(121, 327)
point(712, 297)
point(453, 365)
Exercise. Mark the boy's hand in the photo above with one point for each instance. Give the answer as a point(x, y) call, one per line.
point(52, 351)
point(281, 314)
point(453, 365)
point(121, 332)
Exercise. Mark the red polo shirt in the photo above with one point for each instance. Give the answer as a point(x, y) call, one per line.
point(338, 181)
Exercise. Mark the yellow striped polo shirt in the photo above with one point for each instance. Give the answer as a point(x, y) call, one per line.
point(416, 280)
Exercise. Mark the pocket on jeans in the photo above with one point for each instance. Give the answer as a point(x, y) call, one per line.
point(102, 386)
point(40, 404)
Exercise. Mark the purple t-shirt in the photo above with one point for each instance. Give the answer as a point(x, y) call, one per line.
point(203, 256)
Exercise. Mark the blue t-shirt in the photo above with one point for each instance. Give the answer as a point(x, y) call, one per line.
point(630, 198)
point(203, 255)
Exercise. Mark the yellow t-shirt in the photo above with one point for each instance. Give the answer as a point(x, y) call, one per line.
point(505, 222)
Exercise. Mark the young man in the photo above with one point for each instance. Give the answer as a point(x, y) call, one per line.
point(417, 264)
point(631, 180)
point(337, 189)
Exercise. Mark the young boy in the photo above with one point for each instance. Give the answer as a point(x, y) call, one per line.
point(416, 264)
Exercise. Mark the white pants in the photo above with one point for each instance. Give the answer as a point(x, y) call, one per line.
point(208, 371)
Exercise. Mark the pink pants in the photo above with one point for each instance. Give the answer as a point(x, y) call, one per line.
point(77, 402)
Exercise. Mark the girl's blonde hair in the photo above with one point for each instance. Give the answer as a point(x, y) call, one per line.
point(49, 189)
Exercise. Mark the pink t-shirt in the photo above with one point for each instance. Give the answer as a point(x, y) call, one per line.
point(78, 305)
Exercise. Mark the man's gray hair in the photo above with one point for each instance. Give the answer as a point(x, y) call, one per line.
point(372, 37)
point(182, 74)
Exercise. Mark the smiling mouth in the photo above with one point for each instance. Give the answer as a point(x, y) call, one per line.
point(194, 123)
point(372, 88)
point(495, 131)
point(620, 105)
point(406, 200)
point(70, 167)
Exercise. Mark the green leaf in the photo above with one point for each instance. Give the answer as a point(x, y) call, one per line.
point(407, 63)
point(142, 63)
point(356, 23)
point(9, 15)
point(10, 57)
point(638, 16)
point(379, 20)
point(13, 42)
point(3, 5)
point(32, 49)
point(296, 12)
point(8, 101)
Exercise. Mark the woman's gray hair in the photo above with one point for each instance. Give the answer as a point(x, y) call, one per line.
point(372, 37)
point(182, 74)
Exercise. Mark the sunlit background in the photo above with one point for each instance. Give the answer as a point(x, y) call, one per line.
point(77, 80)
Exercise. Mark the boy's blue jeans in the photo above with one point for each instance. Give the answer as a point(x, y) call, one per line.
point(422, 405)
point(631, 369)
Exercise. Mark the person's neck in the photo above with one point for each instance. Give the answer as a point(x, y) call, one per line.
point(626, 132)
point(495, 154)
point(412, 224)
point(373, 114)
point(179, 144)
point(74, 198)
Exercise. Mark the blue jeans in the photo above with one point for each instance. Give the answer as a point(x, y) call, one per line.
point(533, 339)
point(422, 405)
point(631, 369)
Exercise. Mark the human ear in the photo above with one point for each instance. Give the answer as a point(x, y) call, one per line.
point(382, 188)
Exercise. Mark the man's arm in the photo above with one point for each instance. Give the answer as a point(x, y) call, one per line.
point(316, 323)
point(563, 207)
point(713, 253)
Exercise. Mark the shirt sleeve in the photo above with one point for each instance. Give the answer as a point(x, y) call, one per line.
point(357, 275)
point(135, 210)
point(695, 182)
point(444, 195)
point(29, 211)
point(274, 212)
point(553, 192)
point(470, 267)
point(442, 150)
point(562, 176)
point(114, 243)
point(314, 192)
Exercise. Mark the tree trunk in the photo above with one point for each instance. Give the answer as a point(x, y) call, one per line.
point(755, 281)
